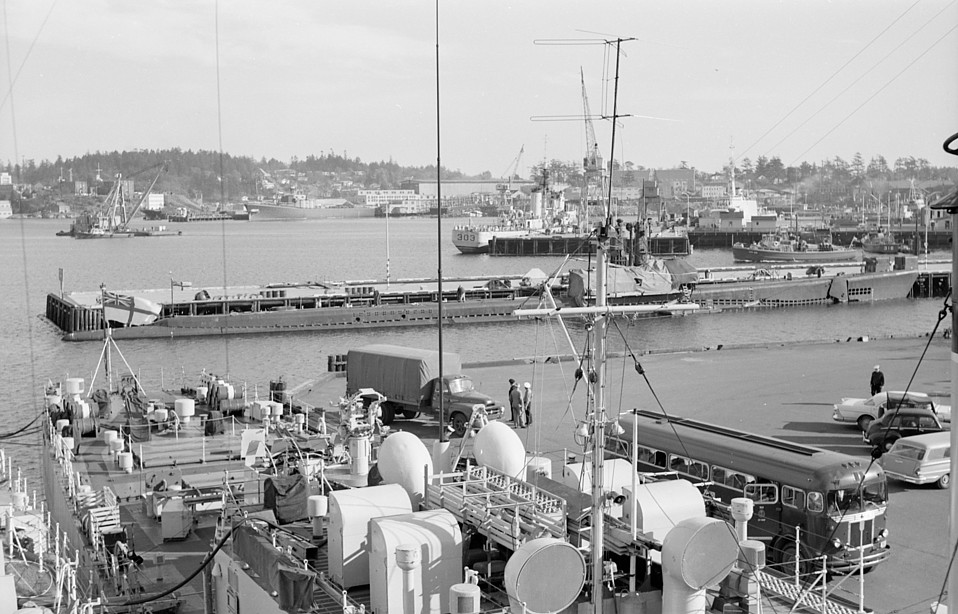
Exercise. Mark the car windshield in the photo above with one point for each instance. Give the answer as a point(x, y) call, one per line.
point(848, 499)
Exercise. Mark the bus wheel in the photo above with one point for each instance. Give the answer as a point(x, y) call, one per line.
point(944, 481)
point(388, 413)
point(410, 414)
point(787, 554)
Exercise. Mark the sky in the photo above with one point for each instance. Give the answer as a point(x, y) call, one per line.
point(700, 82)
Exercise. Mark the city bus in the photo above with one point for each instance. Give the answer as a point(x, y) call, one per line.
point(837, 504)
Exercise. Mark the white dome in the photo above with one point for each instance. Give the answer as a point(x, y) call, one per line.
point(402, 457)
point(498, 447)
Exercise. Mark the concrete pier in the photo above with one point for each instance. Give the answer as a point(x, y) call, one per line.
point(783, 390)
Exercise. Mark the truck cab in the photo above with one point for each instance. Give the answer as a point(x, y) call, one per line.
point(460, 398)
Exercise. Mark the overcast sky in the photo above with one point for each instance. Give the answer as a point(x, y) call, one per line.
point(803, 80)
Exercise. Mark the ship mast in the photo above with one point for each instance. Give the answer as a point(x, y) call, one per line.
point(598, 366)
point(600, 313)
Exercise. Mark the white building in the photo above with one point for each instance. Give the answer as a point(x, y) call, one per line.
point(154, 202)
point(714, 191)
point(375, 198)
point(6, 209)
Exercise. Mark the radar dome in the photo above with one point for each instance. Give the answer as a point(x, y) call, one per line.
point(498, 447)
point(402, 457)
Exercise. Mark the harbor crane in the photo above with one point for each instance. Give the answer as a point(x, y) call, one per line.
point(506, 188)
point(163, 167)
point(112, 214)
point(592, 164)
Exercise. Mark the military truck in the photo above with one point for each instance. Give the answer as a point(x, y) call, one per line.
point(409, 378)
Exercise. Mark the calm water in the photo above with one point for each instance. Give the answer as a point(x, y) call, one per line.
point(214, 254)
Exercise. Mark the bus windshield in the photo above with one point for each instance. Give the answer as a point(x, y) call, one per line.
point(855, 500)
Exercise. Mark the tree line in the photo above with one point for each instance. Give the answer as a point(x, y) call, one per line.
point(210, 175)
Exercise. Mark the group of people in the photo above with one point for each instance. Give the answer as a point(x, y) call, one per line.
point(520, 403)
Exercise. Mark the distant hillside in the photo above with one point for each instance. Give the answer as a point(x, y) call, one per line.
point(196, 174)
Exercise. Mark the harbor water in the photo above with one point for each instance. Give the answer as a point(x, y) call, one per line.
point(216, 254)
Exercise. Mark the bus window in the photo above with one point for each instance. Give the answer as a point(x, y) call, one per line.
point(731, 479)
point(762, 493)
point(793, 497)
point(680, 464)
point(741, 480)
point(652, 457)
point(816, 502)
point(689, 467)
point(699, 470)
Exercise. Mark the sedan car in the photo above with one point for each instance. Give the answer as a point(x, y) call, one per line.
point(863, 411)
point(904, 422)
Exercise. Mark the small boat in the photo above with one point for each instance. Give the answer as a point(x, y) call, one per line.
point(880, 242)
point(780, 247)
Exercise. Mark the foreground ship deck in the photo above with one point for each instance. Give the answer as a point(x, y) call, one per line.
point(190, 527)
point(172, 548)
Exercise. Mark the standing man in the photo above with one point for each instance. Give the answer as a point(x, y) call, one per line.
point(527, 403)
point(643, 248)
point(515, 403)
point(877, 380)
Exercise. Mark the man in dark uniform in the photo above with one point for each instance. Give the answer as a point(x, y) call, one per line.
point(515, 403)
point(877, 380)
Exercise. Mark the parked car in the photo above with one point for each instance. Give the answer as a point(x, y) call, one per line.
point(863, 411)
point(922, 459)
point(904, 422)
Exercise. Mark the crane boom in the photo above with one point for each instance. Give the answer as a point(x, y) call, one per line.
point(515, 167)
point(592, 166)
point(592, 163)
point(163, 166)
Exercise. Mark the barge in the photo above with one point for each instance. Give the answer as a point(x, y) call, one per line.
point(288, 307)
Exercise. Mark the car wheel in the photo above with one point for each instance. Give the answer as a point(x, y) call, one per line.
point(863, 422)
point(889, 442)
point(944, 481)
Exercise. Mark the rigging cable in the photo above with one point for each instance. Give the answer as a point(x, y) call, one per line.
point(13, 79)
point(862, 76)
point(203, 564)
point(23, 428)
point(877, 451)
point(828, 80)
point(31, 350)
point(878, 91)
point(219, 124)
point(639, 369)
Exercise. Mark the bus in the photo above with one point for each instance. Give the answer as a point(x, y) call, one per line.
point(837, 501)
